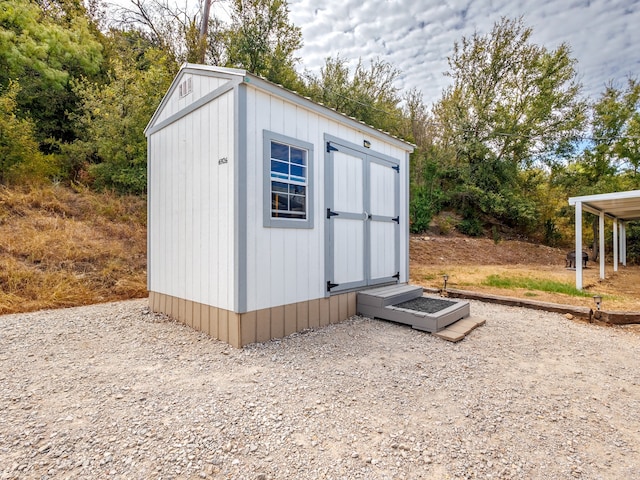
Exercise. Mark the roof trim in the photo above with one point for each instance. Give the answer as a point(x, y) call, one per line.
point(294, 97)
point(229, 73)
point(619, 205)
point(275, 89)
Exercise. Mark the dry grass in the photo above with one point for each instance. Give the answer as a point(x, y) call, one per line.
point(470, 262)
point(620, 289)
point(61, 247)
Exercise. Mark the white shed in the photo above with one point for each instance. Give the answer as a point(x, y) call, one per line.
point(267, 211)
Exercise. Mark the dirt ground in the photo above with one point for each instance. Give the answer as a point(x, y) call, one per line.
point(469, 261)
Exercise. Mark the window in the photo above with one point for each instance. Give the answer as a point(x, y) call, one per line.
point(288, 168)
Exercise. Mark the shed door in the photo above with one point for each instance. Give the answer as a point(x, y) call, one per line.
point(361, 219)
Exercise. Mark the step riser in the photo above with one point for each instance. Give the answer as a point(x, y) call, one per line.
point(428, 322)
point(379, 303)
point(382, 297)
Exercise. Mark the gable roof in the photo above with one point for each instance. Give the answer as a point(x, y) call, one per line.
point(237, 76)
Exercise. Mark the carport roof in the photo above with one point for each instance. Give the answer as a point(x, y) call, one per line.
point(624, 206)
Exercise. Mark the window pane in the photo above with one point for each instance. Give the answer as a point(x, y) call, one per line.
point(297, 203)
point(279, 187)
point(297, 189)
point(279, 169)
point(298, 173)
point(298, 156)
point(279, 201)
point(280, 151)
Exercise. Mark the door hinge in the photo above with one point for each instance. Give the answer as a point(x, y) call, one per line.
point(331, 148)
point(397, 219)
point(397, 276)
point(396, 168)
point(331, 214)
point(331, 285)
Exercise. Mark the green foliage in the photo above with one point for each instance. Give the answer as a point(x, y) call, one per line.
point(633, 243)
point(260, 39)
point(513, 104)
point(20, 158)
point(370, 95)
point(112, 147)
point(421, 209)
point(616, 130)
point(166, 26)
point(495, 234)
point(426, 194)
point(611, 161)
point(470, 224)
point(552, 235)
point(44, 46)
point(552, 286)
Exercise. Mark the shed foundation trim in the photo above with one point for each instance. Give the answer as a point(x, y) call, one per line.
point(240, 329)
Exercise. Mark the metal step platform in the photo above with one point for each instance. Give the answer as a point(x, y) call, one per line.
point(407, 304)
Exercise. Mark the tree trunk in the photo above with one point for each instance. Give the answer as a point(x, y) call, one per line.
point(204, 28)
point(596, 243)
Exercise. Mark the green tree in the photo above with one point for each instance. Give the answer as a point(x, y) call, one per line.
point(20, 158)
point(259, 38)
point(111, 151)
point(616, 128)
point(370, 94)
point(44, 45)
point(513, 104)
point(167, 26)
point(612, 160)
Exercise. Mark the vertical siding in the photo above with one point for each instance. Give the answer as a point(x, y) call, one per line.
point(286, 265)
point(383, 202)
point(202, 85)
point(191, 204)
point(191, 230)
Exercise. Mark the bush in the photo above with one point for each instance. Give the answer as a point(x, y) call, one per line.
point(421, 209)
point(124, 179)
point(20, 158)
point(633, 243)
point(470, 224)
point(552, 235)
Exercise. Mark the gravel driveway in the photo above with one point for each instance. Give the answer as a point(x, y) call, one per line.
point(111, 391)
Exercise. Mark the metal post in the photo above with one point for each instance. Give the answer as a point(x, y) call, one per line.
point(601, 237)
point(578, 261)
point(615, 244)
point(623, 242)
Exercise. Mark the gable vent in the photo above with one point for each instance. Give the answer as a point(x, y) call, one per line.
point(185, 87)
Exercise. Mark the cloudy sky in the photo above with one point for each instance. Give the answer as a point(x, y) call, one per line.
point(416, 36)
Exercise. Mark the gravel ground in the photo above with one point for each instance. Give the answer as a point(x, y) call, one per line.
point(112, 391)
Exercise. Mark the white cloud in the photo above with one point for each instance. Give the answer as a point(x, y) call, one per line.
point(416, 36)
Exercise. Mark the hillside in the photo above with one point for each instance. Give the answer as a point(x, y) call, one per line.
point(61, 247)
point(518, 269)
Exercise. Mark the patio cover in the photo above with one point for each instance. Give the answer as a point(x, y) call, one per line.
point(621, 207)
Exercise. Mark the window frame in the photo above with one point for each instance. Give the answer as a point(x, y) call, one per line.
point(274, 222)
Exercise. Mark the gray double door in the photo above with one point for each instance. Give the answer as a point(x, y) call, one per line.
point(362, 217)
